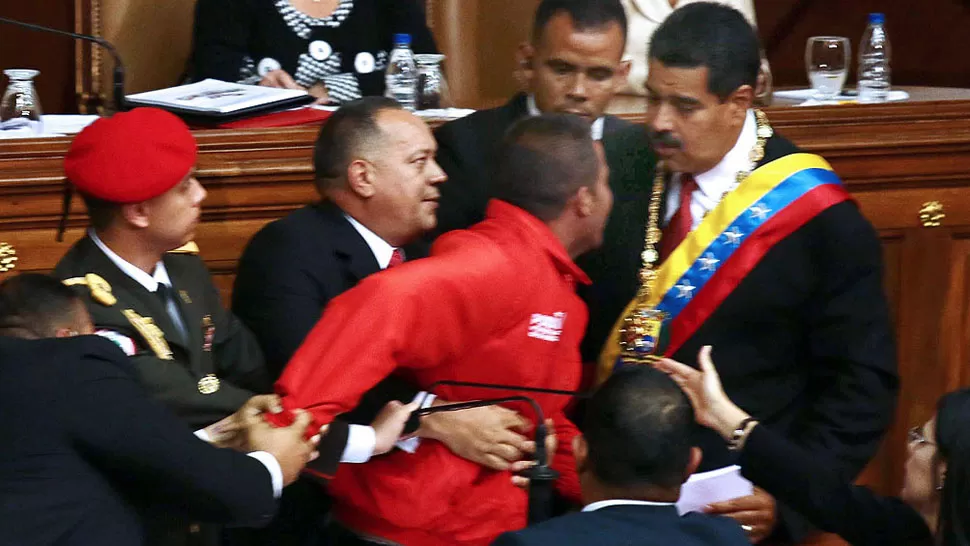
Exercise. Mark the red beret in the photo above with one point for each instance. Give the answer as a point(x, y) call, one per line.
point(132, 156)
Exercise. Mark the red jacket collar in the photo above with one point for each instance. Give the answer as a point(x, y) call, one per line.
point(544, 236)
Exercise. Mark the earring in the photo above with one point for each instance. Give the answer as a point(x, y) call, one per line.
point(942, 482)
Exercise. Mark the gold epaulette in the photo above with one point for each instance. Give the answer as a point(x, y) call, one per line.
point(188, 248)
point(100, 289)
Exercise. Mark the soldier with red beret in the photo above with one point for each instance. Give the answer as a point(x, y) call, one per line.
point(146, 288)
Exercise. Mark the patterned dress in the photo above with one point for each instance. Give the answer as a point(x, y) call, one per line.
point(347, 51)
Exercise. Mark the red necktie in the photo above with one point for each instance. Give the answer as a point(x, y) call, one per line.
point(397, 258)
point(680, 225)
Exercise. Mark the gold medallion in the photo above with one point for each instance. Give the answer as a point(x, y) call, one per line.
point(209, 384)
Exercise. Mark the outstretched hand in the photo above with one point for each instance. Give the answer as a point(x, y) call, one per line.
point(712, 407)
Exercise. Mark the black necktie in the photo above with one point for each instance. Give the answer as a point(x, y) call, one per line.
point(166, 296)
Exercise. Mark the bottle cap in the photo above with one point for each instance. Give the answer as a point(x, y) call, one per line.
point(877, 18)
point(402, 39)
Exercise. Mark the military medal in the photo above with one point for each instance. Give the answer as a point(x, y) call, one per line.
point(209, 384)
point(208, 333)
point(185, 296)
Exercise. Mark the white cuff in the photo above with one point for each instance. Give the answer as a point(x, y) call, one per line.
point(411, 444)
point(275, 471)
point(202, 435)
point(361, 442)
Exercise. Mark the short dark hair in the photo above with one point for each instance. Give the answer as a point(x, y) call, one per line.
point(351, 127)
point(35, 304)
point(706, 34)
point(101, 213)
point(638, 428)
point(586, 15)
point(543, 161)
point(953, 444)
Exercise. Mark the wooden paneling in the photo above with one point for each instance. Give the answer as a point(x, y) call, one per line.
point(928, 37)
point(52, 55)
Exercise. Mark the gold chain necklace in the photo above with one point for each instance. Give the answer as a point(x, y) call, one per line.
point(641, 327)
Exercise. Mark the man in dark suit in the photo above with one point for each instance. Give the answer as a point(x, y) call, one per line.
point(794, 306)
point(632, 458)
point(378, 179)
point(572, 65)
point(86, 450)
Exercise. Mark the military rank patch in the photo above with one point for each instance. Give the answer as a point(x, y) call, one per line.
point(100, 289)
point(151, 332)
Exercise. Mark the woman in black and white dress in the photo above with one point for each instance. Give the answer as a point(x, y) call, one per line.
point(336, 49)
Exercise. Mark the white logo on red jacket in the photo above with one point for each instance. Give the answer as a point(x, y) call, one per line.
point(545, 327)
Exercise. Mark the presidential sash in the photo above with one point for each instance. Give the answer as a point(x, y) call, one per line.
point(771, 203)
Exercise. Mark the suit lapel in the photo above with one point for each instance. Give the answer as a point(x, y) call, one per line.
point(350, 249)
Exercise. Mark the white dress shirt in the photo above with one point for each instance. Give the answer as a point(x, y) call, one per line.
point(592, 507)
point(151, 282)
point(713, 184)
point(595, 130)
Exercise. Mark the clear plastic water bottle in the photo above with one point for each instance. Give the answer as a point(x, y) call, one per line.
point(401, 79)
point(874, 53)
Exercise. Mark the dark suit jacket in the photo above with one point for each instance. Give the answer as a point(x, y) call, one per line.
point(822, 494)
point(630, 525)
point(85, 449)
point(804, 343)
point(466, 152)
point(290, 271)
point(233, 355)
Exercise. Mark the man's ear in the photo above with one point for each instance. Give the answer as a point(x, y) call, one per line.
point(740, 100)
point(696, 455)
point(360, 178)
point(136, 214)
point(584, 201)
point(622, 73)
point(524, 69)
point(580, 453)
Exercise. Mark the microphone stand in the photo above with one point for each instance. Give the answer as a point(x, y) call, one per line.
point(541, 476)
point(118, 76)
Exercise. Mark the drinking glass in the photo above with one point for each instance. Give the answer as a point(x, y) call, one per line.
point(20, 106)
point(432, 88)
point(827, 63)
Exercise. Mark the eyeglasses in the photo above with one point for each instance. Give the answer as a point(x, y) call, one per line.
point(916, 437)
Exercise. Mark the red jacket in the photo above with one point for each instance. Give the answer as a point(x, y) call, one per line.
point(495, 303)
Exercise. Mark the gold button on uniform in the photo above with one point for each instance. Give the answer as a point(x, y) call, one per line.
point(209, 384)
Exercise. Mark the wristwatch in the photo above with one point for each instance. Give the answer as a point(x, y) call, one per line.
point(740, 433)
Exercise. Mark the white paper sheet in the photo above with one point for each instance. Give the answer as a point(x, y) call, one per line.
point(717, 485)
point(54, 125)
point(808, 97)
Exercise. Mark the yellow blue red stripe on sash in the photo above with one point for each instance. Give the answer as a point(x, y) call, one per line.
point(765, 193)
point(780, 197)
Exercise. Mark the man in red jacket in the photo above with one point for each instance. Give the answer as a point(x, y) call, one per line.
point(496, 304)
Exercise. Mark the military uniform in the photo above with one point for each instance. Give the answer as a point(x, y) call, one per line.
point(188, 352)
point(202, 378)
